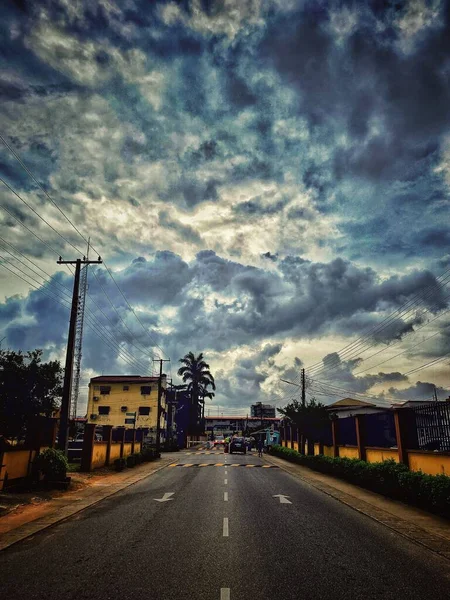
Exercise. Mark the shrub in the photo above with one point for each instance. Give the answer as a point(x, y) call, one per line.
point(52, 464)
point(120, 464)
point(138, 459)
point(431, 492)
point(131, 461)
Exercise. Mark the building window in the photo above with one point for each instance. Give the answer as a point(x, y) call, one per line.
point(105, 390)
point(144, 410)
point(96, 388)
point(124, 408)
point(126, 388)
point(103, 410)
point(145, 390)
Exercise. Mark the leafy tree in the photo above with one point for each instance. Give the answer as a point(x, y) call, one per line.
point(28, 388)
point(312, 419)
point(195, 372)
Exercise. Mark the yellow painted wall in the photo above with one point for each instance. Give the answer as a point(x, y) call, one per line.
point(316, 449)
point(296, 446)
point(132, 399)
point(328, 451)
point(348, 452)
point(432, 463)
point(380, 454)
point(99, 454)
point(115, 451)
point(127, 449)
point(16, 464)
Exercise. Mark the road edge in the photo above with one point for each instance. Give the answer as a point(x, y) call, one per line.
point(30, 529)
point(402, 527)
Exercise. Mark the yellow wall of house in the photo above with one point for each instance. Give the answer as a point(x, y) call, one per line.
point(328, 451)
point(15, 464)
point(316, 449)
point(115, 451)
point(380, 454)
point(131, 399)
point(348, 452)
point(296, 446)
point(127, 449)
point(99, 454)
point(432, 463)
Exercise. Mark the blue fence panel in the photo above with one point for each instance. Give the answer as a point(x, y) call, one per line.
point(380, 430)
point(347, 431)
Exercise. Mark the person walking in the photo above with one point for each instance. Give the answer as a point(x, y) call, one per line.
point(260, 448)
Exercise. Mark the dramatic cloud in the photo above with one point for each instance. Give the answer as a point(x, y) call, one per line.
point(267, 180)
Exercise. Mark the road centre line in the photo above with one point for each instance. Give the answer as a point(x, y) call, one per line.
point(225, 496)
point(225, 481)
point(224, 593)
point(225, 527)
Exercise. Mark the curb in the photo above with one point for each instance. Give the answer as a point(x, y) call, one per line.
point(413, 533)
point(29, 529)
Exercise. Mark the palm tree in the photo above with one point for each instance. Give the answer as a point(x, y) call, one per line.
point(195, 371)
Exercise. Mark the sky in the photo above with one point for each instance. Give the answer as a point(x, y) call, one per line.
point(267, 182)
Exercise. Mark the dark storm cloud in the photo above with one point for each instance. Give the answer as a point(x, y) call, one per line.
point(421, 390)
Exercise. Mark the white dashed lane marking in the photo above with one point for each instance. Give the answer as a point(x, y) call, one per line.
point(225, 527)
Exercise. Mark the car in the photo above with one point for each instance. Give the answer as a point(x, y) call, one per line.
point(237, 444)
point(219, 441)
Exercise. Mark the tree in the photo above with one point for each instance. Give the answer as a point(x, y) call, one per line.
point(195, 372)
point(313, 419)
point(28, 388)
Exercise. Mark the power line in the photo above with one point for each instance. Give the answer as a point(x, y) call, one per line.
point(64, 288)
point(350, 348)
point(51, 248)
point(40, 217)
point(18, 158)
point(97, 327)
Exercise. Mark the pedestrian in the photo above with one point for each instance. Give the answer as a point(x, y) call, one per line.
point(260, 448)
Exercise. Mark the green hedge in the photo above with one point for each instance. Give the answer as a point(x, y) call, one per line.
point(431, 492)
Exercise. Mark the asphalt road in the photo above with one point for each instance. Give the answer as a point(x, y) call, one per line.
point(224, 534)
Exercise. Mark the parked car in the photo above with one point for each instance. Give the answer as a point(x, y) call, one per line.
point(237, 444)
point(219, 441)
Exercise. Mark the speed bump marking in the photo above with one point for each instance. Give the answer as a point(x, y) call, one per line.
point(222, 465)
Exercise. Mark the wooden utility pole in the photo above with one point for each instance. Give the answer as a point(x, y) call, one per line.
point(158, 412)
point(68, 370)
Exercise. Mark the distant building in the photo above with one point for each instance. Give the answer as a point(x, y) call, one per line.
point(265, 411)
point(118, 400)
point(349, 407)
point(229, 425)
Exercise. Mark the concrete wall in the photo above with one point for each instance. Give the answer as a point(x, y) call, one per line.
point(115, 451)
point(433, 463)
point(380, 454)
point(348, 452)
point(99, 454)
point(127, 449)
point(328, 451)
point(15, 465)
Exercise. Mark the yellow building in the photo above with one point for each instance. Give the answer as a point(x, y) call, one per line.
point(113, 400)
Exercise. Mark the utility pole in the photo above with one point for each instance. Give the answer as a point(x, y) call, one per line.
point(68, 370)
point(303, 388)
point(158, 412)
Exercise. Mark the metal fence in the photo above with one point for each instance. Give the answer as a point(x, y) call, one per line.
point(433, 426)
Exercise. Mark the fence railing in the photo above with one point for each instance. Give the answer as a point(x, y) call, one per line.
point(433, 426)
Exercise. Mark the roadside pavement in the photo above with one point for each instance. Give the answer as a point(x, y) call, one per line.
point(17, 527)
point(417, 525)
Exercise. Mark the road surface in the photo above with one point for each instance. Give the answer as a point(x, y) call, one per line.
point(222, 531)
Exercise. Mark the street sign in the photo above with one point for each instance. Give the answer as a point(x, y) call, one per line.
point(129, 421)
